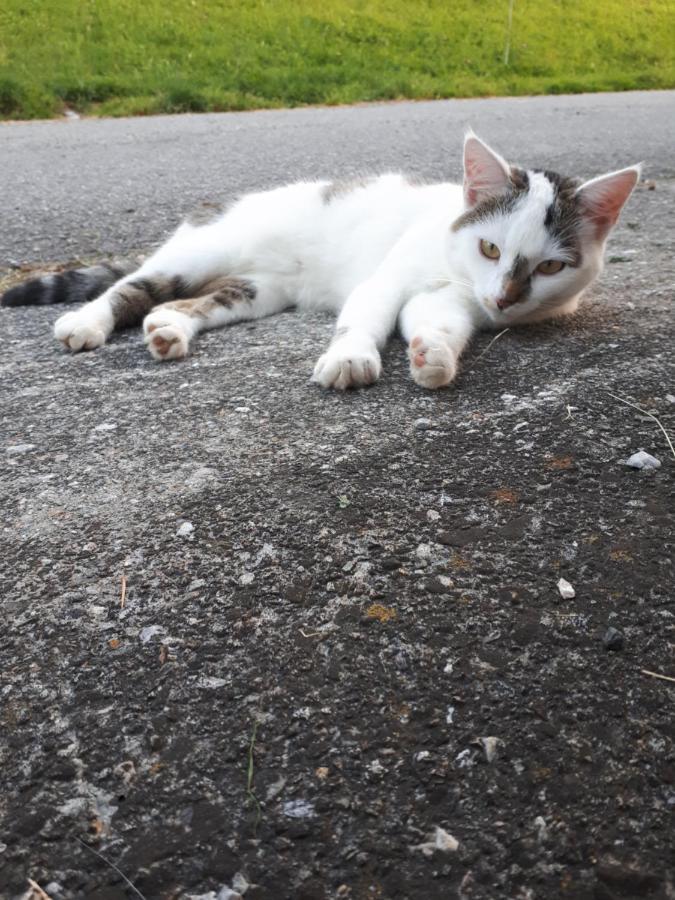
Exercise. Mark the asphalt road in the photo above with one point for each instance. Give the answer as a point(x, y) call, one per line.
point(266, 640)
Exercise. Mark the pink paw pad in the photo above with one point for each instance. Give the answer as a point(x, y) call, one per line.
point(418, 358)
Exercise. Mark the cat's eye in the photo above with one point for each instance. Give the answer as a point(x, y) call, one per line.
point(550, 267)
point(491, 251)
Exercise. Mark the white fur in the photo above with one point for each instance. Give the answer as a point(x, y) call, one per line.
point(377, 256)
point(350, 361)
point(86, 328)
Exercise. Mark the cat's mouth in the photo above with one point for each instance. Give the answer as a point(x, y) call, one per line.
point(504, 303)
point(499, 310)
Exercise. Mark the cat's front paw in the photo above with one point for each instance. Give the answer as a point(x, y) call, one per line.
point(79, 332)
point(433, 363)
point(349, 362)
point(165, 335)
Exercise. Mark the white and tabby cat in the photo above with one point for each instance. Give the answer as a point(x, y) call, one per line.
point(511, 246)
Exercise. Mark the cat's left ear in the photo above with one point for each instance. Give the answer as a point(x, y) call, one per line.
point(486, 174)
point(603, 198)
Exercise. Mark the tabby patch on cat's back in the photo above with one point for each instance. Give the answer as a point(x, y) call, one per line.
point(437, 262)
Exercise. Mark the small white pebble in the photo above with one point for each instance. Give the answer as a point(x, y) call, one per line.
point(566, 590)
point(433, 515)
point(225, 893)
point(150, 631)
point(540, 824)
point(105, 426)
point(490, 747)
point(439, 839)
point(642, 460)
point(298, 809)
point(185, 529)
point(445, 841)
point(246, 578)
point(464, 759)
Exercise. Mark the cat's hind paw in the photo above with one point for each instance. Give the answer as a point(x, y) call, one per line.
point(165, 336)
point(433, 364)
point(348, 363)
point(79, 332)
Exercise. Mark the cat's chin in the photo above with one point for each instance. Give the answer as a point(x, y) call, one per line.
point(512, 315)
point(495, 315)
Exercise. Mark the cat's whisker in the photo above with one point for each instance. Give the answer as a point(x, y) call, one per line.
point(442, 282)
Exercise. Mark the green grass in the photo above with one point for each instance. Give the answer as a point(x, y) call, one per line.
point(119, 57)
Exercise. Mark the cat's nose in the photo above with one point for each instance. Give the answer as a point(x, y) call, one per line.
point(511, 293)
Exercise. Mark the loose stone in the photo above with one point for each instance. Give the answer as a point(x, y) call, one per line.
point(612, 639)
point(566, 590)
point(642, 460)
point(439, 839)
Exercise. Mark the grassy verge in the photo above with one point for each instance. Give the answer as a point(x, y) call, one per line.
point(120, 57)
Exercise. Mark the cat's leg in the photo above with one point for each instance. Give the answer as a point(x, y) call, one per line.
point(437, 326)
point(122, 305)
point(178, 269)
point(369, 314)
point(367, 319)
point(170, 327)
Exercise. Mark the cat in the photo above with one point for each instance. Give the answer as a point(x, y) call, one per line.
point(510, 245)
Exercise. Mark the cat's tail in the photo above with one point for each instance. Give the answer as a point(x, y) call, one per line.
point(73, 286)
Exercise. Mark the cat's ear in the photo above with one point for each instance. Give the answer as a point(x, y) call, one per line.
point(602, 199)
point(486, 174)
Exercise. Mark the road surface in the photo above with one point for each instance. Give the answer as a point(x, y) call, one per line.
point(263, 639)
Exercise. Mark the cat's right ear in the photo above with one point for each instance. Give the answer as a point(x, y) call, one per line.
point(486, 173)
point(602, 199)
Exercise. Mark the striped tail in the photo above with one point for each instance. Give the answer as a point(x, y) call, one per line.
point(74, 286)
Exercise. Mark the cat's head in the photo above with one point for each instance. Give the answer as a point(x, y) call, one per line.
point(530, 241)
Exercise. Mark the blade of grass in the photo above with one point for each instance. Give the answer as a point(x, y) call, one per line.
point(657, 675)
point(112, 866)
point(250, 793)
point(483, 352)
point(645, 413)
